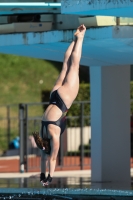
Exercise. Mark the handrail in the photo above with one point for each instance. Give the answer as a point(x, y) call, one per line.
point(30, 4)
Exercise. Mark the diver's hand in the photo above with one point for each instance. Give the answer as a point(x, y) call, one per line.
point(42, 178)
point(48, 180)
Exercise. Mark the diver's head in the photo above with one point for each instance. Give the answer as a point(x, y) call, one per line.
point(42, 143)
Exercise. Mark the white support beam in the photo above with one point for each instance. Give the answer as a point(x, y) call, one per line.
point(110, 126)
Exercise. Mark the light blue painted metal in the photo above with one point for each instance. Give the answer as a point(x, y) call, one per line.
point(92, 34)
point(120, 12)
point(36, 38)
point(27, 11)
point(30, 7)
point(118, 8)
point(106, 53)
point(102, 46)
point(50, 37)
point(30, 4)
point(94, 4)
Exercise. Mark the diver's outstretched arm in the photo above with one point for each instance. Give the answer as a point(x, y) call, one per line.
point(52, 158)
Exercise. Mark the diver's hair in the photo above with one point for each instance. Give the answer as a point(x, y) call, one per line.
point(43, 144)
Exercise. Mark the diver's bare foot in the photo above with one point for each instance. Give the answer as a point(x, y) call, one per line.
point(80, 31)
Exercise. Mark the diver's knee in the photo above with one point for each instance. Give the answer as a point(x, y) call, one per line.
point(53, 159)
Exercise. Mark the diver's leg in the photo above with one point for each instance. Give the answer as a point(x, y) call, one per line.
point(69, 90)
point(65, 67)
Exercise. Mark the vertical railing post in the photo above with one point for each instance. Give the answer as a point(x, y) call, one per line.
point(81, 136)
point(61, 149)
point(21, 134)
point(26, 138)
point(117, 21)
point(59, 154)
point(8, 125)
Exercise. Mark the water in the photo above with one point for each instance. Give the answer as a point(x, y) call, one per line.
point(58, 182)
point(66, 193)
point(75, 188)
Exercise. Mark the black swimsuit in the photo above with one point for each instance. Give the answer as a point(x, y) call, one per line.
point(61, 122)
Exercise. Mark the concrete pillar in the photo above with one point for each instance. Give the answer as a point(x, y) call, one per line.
point(110, 124)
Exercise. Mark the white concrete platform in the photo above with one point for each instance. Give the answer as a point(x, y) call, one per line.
point(74, 173)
